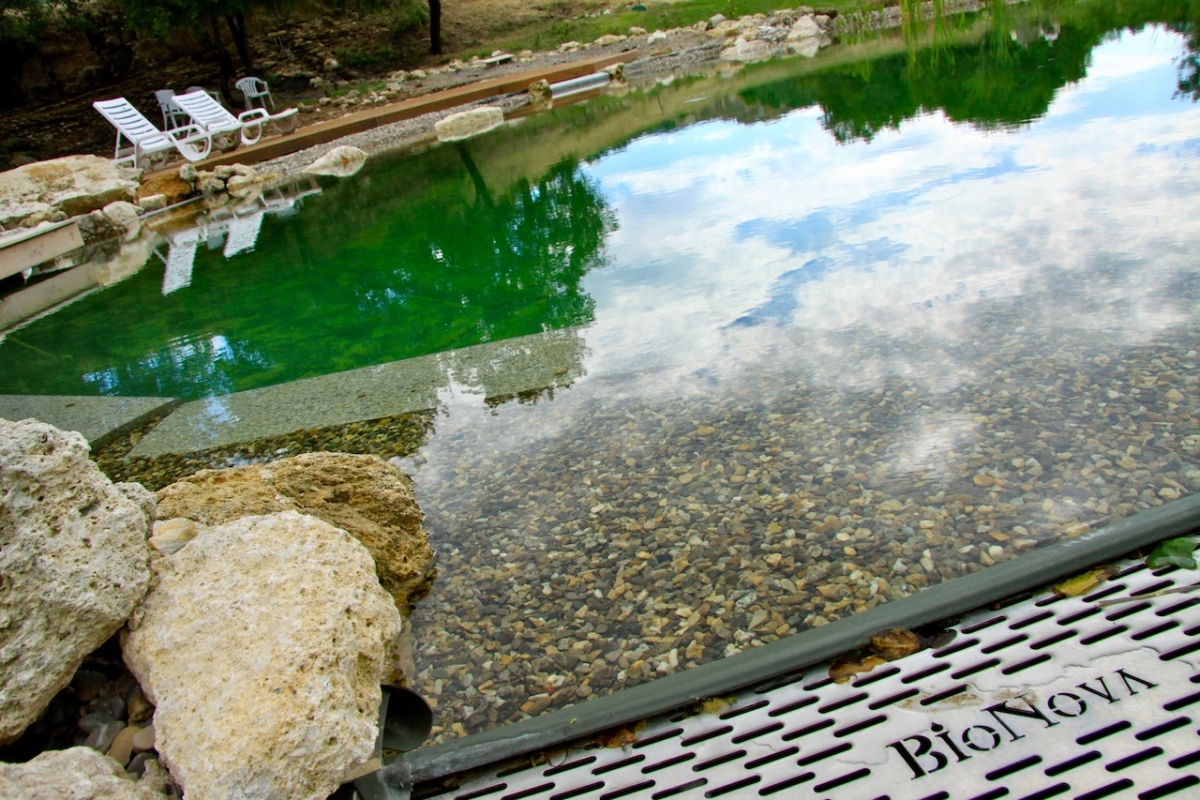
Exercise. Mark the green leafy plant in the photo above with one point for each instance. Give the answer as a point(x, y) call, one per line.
point(1173, 552)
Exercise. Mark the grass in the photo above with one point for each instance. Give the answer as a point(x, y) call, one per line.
point(549, 34)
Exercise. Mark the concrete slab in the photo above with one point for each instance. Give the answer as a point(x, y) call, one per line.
point(20, 251)
point(329, 130)
point(497, 371)
point(97, 418)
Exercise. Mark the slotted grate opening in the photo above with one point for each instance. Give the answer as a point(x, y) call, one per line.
point(1052, 697)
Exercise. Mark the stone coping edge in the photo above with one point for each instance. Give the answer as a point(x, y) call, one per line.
point(98, 419)
point(1023, 574)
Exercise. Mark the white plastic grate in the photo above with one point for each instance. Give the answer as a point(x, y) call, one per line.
point(1050, 697)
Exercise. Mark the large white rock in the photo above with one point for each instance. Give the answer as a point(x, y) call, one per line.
point(340, 162)
point(74, 561)
point(466, 124)
point(79, 773)
point(72, 184)
point(748, 52)
point(805, 28)
point(262, 646)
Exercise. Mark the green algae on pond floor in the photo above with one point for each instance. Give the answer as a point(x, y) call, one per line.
point(835, 353)
point(416, 256)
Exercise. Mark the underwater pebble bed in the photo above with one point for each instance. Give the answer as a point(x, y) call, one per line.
point(595, 538)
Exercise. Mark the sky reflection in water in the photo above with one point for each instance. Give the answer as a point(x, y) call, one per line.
point(729, 233)
point(818, 369)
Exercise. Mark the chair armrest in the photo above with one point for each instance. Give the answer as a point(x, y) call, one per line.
point(254, 116)
point(189, 133)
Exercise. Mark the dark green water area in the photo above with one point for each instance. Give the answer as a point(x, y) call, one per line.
point(429, 252)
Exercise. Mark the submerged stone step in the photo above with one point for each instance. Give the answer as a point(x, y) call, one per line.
point(496, 371)
point(99, 419)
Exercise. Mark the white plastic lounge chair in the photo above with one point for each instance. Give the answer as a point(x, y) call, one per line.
point(212, 116)
point(173, 115)
point(146, 141)
point(255, 89)
point(243, 233)
point(181, 255)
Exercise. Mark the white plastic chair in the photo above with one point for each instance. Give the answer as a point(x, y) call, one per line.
point(173, 115)
point(146, 142)
point(213, 117)
point(255, 89)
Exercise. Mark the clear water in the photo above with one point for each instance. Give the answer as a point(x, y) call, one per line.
point(848, 328)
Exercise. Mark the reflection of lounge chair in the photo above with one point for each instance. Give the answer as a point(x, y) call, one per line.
point(243, 233)
point(147, 141)
point(212, 116)
point(181, 254)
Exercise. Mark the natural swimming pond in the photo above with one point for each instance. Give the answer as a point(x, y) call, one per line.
point(828, 332)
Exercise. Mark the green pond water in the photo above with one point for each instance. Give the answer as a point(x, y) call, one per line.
point(835, 330)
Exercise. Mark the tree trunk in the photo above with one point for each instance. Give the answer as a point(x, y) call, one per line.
point(237, 27)
point(223, 59)
point(435, 27)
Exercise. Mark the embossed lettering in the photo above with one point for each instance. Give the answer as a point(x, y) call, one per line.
point(924, 748)
point(1032, 713)
point(974, 742)
point(1055, 703)
point(1125, 676)
point(1104, 692)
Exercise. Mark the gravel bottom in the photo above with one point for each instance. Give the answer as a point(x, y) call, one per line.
point(597, 538)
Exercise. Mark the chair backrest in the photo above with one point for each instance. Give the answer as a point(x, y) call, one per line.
point(251, 86)
point(128, 120)
point(163, 96)
point(205, 111)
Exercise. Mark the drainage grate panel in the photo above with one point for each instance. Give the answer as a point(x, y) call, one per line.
point(1077, 698)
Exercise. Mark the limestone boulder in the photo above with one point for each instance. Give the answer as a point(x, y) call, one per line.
point(363, 495)
point(340, 162)
point(748, 52)
point(79, 773)
point(805, 28)
point(74, 561)
point(262, 646)
point(466, 124)
point(541, 95)
point(73, 184)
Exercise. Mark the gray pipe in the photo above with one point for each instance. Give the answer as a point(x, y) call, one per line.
point(1028, 572)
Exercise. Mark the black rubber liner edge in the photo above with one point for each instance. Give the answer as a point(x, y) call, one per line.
point(1025, 573)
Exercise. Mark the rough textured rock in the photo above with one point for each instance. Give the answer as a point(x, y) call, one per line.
point(748, 52)
point(365, 496)
point(75, 562)
point(122, 212)
point(541, 96)
point(79, 773)
point(72, 184)
point(466, 124)
point(262, 646)
point(340, 162)
point(805, 28)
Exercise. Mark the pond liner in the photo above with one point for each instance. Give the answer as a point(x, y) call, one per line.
point(1006, 580)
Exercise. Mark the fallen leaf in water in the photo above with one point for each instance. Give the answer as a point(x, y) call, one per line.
point(1084, 582)
point(844, 671)
point(896, 643)
point(619, 737)
point(715, 705)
